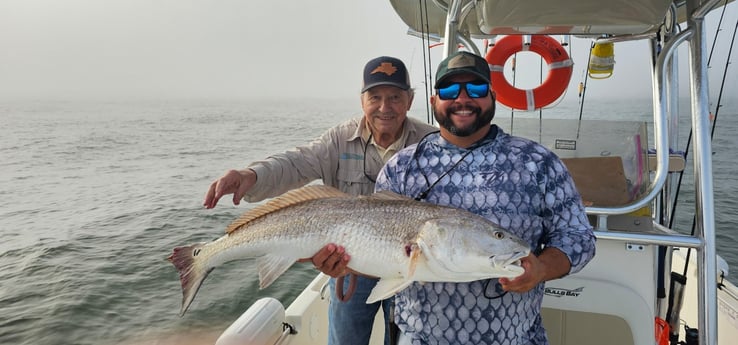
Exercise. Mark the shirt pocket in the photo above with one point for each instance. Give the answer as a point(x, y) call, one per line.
point(354, 182)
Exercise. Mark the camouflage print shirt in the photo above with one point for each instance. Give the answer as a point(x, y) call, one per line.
point(514, 182)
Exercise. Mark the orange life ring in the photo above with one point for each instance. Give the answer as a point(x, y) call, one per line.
point(559, 71)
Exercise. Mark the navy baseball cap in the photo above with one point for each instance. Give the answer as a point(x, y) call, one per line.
point(462, 62)
point(385, 70)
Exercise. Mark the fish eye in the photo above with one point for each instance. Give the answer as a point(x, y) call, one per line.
point(499, 235)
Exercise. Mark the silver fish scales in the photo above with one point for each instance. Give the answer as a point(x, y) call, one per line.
point(388, 236)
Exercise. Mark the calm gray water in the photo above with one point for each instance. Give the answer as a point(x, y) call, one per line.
point(93, 197)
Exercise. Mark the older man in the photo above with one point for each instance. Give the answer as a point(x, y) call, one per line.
point(348, 157)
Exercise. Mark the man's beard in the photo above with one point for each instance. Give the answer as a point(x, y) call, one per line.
point(483, 118)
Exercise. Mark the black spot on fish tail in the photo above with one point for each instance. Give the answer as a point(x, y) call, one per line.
point(183, 259)
point(408, 249)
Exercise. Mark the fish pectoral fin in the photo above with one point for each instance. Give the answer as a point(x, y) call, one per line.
point(271, 267)
point(415, 253)
point(387, 288)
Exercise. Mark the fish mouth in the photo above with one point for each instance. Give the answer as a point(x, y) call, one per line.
point(508, 261)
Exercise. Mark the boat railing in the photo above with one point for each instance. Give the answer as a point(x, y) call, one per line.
point(704, 239)
point(661, 139)
point(666, 238)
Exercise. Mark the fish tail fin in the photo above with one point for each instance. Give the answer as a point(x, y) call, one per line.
point(191, 274)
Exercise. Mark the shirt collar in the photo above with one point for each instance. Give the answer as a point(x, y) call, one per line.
point(490, 137)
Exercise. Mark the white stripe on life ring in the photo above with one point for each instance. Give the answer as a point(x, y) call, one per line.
point(496, 68)
point(561, 64)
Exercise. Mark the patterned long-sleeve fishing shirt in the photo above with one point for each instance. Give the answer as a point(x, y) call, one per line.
point(514, 182)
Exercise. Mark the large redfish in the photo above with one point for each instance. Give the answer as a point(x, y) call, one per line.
point(388, 236)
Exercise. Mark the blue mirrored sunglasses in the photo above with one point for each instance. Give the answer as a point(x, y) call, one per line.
point(475, 89)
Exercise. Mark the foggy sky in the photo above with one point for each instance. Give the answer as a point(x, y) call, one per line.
point(230, 49)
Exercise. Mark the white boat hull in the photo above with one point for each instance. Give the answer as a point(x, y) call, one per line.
point(611, 302)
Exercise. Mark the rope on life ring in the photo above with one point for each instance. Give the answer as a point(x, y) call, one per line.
point(559, 71)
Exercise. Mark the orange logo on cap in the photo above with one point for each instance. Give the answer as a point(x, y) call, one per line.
point(386, 68)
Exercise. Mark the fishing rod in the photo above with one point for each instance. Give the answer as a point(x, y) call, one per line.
point(514, 73)
point(712, 131)
point(583, 90)
point(425, 33)
point(722, 83)
point(689, 137)
point(718, 106)
point(681, 279)
point(540, 110)
point(678, 281)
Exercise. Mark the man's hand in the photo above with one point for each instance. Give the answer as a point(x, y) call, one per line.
point(529, 279)
point(331, 260)
point(236, 182)
point(551, 264)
